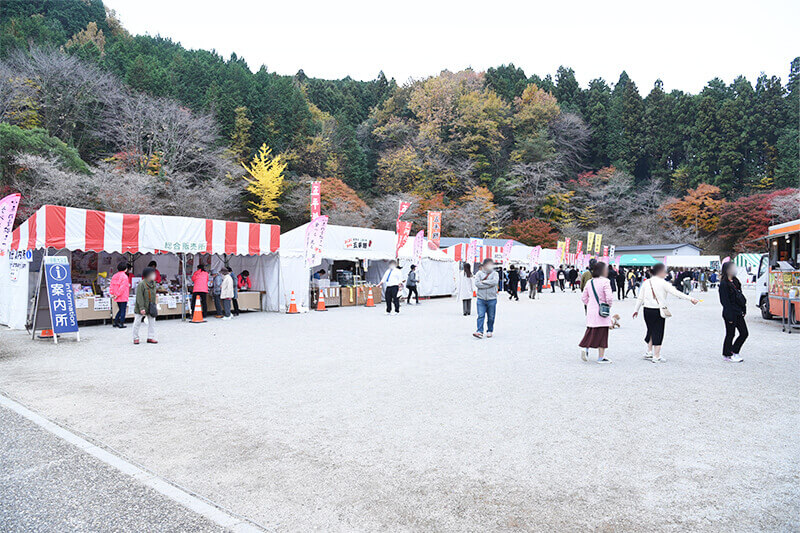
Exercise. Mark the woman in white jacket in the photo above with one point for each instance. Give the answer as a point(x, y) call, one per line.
point(226, 293)
point(466, 289)
point(653, 296)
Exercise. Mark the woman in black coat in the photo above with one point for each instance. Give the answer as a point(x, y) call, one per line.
point(734, 308)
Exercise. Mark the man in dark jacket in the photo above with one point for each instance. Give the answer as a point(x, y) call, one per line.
point(513, 281)
point(573, 278)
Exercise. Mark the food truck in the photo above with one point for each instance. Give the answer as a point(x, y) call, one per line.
point(778, 279)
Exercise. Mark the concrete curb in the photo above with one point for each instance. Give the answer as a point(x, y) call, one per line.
point(194, 502)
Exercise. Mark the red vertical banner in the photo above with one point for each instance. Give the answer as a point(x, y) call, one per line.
point(579, 248)
point(316, 199)
point(402, 208)
point(566, 247)
point(403, 231)
point(434, 228)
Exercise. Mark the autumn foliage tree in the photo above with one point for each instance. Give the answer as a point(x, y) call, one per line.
point(700, 208)
point(748, 218)
point(532, 232)
point(265, 183)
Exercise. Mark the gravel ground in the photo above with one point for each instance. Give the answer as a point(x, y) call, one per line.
point(354, 421)
point(49, 485)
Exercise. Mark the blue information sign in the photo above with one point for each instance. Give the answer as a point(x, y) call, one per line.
point(59, 293)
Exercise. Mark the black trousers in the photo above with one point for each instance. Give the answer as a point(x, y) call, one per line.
point(512, 292)
point(203, 302)
point(655, 326)
point(561, 284)
point(467, 306)
point(730, 346)
point(392, 297)
point(412, 289)
point(631, 287)
point(236, 306)
point(620, 292)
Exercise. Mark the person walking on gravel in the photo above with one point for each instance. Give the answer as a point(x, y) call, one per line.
point(486, 282)
point(466, 289)
point(411, 284)
point(391, 281)
point(597, 297)
point(146, 306)
point(734, 308)
point(653, 297)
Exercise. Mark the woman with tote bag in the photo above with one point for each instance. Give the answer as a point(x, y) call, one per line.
point(653, 296)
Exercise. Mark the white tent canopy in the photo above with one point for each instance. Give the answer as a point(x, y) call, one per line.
point(340, 243)
point(437, 271)
point(692, 261)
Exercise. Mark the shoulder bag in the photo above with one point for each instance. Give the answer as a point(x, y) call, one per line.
point(662, 309)
point(152, 308)
point(603, 308)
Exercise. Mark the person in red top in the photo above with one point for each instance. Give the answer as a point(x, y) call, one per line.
point(153, 265)
point(120, 290)
point(242, 284)
point(200, 288)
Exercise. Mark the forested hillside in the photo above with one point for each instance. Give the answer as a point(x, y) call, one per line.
point(94, 116)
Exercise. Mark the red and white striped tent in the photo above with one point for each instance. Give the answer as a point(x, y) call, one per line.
point(459, 252)
point(245, 245)
point(519, 254)
point(70, 228)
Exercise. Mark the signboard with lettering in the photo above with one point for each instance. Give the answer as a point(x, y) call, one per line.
point(60, 297)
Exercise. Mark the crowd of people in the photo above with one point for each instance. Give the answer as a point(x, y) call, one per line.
point(598, 285)
point(220, 284)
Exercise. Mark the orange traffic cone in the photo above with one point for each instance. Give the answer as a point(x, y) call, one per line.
point(197, 315)
point(46, 334)
point(321, 301)
point(292, 306)
point(474, 293)
point(370, 299)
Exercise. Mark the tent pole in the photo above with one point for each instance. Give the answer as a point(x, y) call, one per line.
point(183, 287)
point(36, 299)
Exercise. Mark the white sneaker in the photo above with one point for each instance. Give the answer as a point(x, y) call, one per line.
point(733, 359)
point(226, 318)
point(658, 360)
point(584, 355)
point(489, 334)
point(604, 361)
point(648, 355)
point(388, 313)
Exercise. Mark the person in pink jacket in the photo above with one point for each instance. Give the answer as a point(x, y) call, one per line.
point(553, 278)
point(120, 290)
point(200, 288)
point(597, 291)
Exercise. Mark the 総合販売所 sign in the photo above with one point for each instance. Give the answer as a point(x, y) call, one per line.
point(58, 279)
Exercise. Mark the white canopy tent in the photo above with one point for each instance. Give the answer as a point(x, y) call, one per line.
point(692, 261)
point(373, 247)
point(437, 271)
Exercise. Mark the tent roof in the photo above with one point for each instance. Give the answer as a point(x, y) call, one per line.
point(446, 242)
point(691, 261)
point(747, 260)
point(344, 243)
point(407, 251)
point(637, 260)
point(72, 228)
point(665, 247)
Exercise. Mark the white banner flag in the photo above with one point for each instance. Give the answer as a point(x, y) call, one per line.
point(315, 235)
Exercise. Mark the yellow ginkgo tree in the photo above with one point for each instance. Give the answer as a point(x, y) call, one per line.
point(265, 183)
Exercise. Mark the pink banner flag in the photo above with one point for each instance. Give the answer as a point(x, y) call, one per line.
point(315, 236)
point(579, 248)
point(419, 242)
point(403, 230)
point(507, 250)
point(8, 212)
point(726, 260)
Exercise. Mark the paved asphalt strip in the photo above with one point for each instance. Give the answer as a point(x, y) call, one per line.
point(52, 479)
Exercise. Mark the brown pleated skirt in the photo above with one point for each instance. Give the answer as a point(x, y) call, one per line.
point(595, 338)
